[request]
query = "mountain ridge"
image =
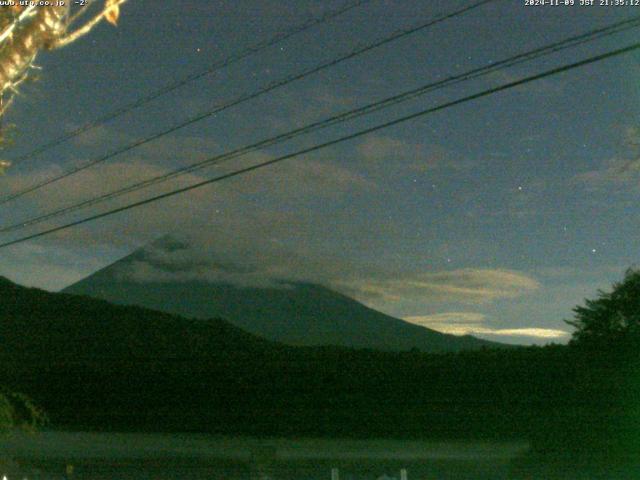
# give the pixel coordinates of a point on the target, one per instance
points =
(93, 365)
(299, 314)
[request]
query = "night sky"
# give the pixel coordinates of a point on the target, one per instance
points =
(488, 218)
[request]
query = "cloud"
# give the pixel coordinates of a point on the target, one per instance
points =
(308, 177)
(296, 184)
(472, 323)
(630, 137)
(195, 259)
(471, 286)
(615, 172)
(320, 103)
(381, 148)
(144, 272)
(388, 153)
(223, 257)
(529, 332)
(448, 318)
(282, 225)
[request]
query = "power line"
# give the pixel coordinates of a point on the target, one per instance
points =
(251, 50)
(360, 133)
(349, 115)
(250, 96)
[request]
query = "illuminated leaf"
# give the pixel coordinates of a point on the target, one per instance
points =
(112, 11)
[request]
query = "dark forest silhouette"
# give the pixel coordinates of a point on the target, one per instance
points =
(94, 365)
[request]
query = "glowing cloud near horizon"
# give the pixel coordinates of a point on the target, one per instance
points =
(472, 323)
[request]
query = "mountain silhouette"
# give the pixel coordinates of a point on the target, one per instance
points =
(41, 325)
(91, 364)
(302, 314)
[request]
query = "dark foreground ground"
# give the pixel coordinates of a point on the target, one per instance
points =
(140, 456)
(66, 455)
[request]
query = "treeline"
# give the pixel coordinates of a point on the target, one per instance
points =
(93, 365)
(553, 395)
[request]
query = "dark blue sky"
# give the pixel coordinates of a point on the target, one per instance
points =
(489, 217)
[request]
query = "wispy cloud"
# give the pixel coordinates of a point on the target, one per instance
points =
(448, 318)
(390, 154)
(620, 172)
(299, 181)
(472, 323)
(615, 172)
(470, 286)
(226, 257)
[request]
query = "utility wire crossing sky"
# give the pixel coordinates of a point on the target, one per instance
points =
(523, 57)
(495, 217)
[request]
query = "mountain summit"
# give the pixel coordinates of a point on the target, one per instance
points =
(293, 313)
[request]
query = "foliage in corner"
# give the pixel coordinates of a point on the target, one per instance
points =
(611, 319)
(19, 411)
